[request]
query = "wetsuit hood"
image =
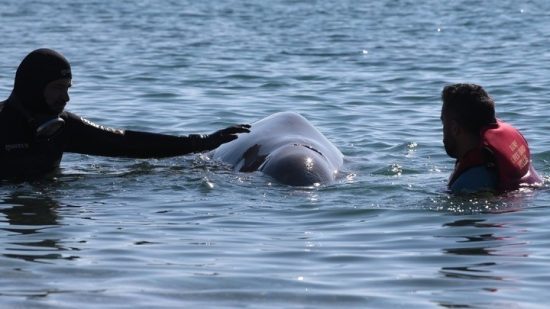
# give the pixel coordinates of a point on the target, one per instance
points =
(37, 69)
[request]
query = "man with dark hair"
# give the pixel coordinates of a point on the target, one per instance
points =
(35, 130)
(490, 154)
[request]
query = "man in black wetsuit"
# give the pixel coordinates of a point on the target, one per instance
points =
(35, 130)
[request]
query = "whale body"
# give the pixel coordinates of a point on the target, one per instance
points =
(287, 147)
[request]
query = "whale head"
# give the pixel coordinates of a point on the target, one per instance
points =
(298, 165)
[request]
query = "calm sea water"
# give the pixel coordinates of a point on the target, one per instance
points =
(189, 232)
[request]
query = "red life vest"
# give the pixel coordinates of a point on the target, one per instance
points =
(506, 149)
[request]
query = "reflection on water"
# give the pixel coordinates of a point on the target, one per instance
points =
(474, 250)
(28, 214)
(475, 271)
(27, 217)
(479, 254)
(483, 246)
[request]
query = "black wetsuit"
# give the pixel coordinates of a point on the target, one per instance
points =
(23, 155)
(30, 147)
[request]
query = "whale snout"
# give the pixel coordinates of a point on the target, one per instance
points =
(298, 165)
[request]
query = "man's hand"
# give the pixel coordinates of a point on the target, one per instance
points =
(223, 136)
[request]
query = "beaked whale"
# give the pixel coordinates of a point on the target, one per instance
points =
(287, 147)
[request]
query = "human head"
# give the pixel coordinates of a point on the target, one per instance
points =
(37, 70)
(466, 109)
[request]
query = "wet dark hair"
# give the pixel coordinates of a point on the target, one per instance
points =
(469, 105)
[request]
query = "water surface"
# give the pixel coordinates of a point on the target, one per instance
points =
(188, 231)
